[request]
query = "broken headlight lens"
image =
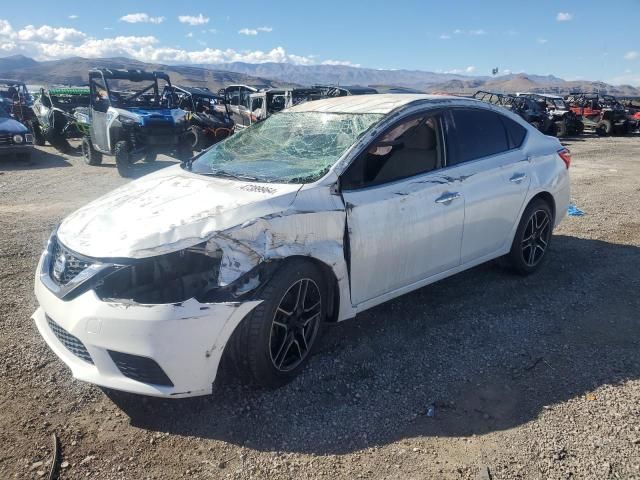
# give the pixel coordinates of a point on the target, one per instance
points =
(170, 278)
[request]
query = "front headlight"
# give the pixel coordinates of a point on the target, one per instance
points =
(18, 138)
(170, 278)
(128, 120)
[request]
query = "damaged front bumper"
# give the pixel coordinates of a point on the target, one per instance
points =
(162, 350)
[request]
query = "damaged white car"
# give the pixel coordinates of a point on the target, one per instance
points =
(317, 213)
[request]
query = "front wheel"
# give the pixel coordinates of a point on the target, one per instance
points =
(123, 158)
(90, 155)
(272, 344)
(532, 238)
(38, 136)
(604, 128)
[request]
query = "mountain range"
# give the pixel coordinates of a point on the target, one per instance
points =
(73, 71)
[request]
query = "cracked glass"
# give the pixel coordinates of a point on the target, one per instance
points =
(289, 147)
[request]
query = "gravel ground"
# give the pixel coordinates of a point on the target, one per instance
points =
(529, 378)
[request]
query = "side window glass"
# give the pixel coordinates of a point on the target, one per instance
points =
(479, 133)
(244, 97)
(99, 95)
(410, 148)
(233, 96)
(515, 132)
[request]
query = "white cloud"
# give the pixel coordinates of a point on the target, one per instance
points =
(632, 55)
(458, 71)
(542, 41)
(51, 43)
(458, 31)
(470, 69)
(189, 35)
(344, 63)
(444, 36)
(477, 32)
(193, 21)
(254, 31)
(141, 18)
(564, 17)
(73, 17)
(627, 79)
(46, 33)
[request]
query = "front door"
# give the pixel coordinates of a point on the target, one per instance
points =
(404, 218)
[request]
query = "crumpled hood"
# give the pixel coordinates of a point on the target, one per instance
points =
(167, 211)
(11, 126)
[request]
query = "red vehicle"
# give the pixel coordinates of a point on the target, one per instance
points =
(602, 113)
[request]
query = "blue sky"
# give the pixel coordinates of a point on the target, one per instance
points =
(568, 38)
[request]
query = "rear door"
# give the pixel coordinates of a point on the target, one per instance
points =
(488, 152)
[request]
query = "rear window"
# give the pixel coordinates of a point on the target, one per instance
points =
(479, 133)
(515, 132)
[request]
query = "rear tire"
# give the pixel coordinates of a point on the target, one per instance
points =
(561, 129)
(38, 136)
(197, 138)
(532, 238)
(184, 151)
(90, 155)
(272, 344)
(150, 157)
(123, 158)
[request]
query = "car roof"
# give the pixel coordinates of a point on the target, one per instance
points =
(376, 103)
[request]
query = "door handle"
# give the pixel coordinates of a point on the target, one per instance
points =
(518, 177)
(448, 197)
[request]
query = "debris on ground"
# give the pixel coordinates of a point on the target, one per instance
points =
(574, 211)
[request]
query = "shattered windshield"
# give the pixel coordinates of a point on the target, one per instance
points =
(289, 147)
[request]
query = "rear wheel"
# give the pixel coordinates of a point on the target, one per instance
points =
(58, 142)
(184, 151)
(532, 238)
(123, 158)
(197, 137)
(150, 157)
(90, 155)
(561, 129)
(272, 344)
(38, 136)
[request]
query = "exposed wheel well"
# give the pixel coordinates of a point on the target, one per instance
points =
(332, 284)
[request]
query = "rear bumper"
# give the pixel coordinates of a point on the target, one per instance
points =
(184, 340)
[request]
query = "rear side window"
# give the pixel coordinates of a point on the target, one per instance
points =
(479, 133)
(515, 132)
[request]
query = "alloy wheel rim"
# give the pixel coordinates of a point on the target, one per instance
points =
(536, 237)
(295, 325)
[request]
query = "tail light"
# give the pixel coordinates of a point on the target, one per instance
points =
(565, 155)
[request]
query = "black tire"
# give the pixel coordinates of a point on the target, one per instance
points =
(532, 239)
(604, 128)
(57, 141)
(184, 151)
(197, 138)
(579, 128)
(257, 345)
(90, 155)
(38, 136)
(150, 157)
(123, 158)
(561, 129)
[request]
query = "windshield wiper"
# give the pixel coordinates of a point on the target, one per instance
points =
(224, 173)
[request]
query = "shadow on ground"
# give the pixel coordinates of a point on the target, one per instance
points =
(39, 159)
(488, 348)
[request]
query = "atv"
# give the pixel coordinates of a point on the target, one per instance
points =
(130, 119)
(19, 101)
(530, 110)
(632, 109)
(210, 118)
(565, 121)
(601, 113)
(60, 114)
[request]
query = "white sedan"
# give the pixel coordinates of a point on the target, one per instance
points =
(312, 216)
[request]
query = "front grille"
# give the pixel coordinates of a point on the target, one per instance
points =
(71, 343)
(6, 139)
(72, 264)
(138, 368)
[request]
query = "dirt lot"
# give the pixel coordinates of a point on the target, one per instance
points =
(532, 378)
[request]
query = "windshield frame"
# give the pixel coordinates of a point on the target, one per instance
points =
(310, 178)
